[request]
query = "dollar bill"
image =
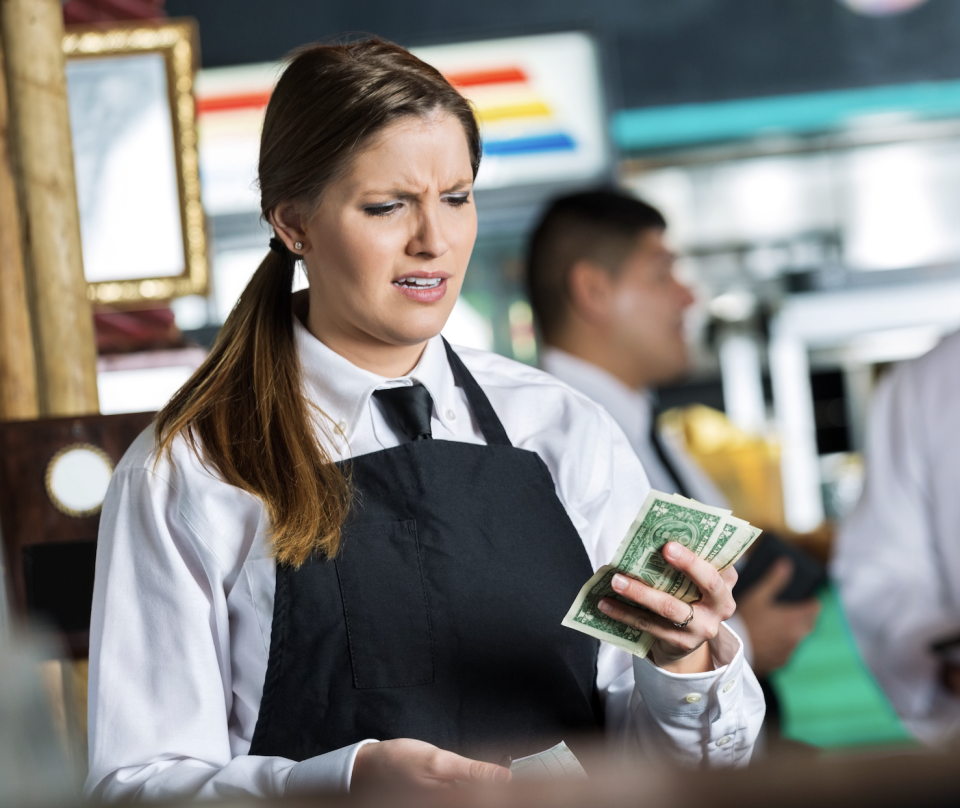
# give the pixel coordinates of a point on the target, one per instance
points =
(713, 534)
(556, 762)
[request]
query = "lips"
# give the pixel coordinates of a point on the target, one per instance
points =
(419, 283)
(422, 287)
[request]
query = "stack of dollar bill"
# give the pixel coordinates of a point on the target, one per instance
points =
(712, 533)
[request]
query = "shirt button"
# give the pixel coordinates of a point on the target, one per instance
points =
(728, 686)
(451, 415)
(724, 740)
(342, 427)
(692, 698)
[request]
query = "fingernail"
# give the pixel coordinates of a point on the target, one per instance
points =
(604, 607)
(671, 550)
(501, 774)
(619, 582)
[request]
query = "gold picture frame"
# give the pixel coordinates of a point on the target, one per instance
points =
(125, 265)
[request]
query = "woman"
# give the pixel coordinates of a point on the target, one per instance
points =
(342, 531)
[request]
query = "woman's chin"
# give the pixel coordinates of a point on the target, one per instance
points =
(419, 327)
(409, 337)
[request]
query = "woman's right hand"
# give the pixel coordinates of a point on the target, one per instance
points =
(416, 764)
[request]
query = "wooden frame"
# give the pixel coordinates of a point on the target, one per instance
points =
(176, 42)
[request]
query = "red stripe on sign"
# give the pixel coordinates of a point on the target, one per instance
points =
(502, 75)
(224, 103)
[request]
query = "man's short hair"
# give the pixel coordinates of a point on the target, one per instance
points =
(600, 226)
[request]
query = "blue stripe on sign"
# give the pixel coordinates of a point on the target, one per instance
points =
(557, 141)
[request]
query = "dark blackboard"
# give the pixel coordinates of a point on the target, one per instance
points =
(655, 51)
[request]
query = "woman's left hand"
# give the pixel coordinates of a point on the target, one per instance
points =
(680, 650)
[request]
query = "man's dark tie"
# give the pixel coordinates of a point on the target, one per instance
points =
(668, 465)
(407, 410)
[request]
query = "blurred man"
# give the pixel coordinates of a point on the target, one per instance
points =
(611, 312)
(897, 558)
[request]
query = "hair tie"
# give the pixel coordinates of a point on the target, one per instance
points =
(278, 246)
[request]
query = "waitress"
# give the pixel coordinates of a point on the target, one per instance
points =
(342, 555)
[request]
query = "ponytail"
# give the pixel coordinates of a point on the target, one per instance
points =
(244, 413)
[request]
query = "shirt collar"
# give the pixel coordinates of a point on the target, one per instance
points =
(631, 409)
(342, 390)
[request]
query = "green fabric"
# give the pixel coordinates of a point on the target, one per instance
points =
(827, 696)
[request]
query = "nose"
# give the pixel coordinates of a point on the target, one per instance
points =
(684, 294)
(428, 239)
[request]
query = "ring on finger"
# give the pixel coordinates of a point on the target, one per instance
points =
(686, 622)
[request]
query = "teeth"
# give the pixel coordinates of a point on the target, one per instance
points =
(427, 283)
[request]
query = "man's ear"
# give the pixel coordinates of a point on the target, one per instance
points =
(287, 221)
(590, 289)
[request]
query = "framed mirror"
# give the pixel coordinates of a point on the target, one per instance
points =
(132, 120)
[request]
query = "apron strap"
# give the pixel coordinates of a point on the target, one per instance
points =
(487, 420)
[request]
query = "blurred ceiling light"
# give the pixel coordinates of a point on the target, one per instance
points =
(734, 306)
(882, 8)
(895, 218)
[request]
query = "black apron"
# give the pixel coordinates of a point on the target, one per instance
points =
(439, 618)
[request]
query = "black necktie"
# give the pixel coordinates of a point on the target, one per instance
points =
(665, 460)
(407, 410)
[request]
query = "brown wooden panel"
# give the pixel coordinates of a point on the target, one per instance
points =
(27, 516)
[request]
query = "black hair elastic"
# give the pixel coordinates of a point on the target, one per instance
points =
(278, 246)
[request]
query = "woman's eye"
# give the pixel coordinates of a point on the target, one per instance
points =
(381, 210)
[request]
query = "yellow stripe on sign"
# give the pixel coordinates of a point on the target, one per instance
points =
(534, 109)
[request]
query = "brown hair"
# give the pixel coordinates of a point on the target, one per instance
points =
(244, 411)
(601, 225)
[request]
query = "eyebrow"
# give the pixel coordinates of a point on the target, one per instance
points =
(402, 194)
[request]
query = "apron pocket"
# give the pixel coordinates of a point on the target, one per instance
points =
(385, 605)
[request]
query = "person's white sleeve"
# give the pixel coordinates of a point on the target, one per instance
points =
(689, 719)
(160, 692)
(739, 628)
(886, 562)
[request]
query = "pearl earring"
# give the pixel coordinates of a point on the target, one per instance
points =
(298, 245)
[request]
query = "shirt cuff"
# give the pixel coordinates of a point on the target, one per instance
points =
(332, 771)
(691, 694)
(738, 627)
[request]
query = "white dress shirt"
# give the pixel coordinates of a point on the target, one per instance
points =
(633, 411)
(183, 601)
(897, 557)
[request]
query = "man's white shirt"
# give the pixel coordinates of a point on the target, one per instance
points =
(897, 557)
(183, 603)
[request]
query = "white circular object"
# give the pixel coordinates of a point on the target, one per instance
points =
(724, 740)
(77, 479)
(728, 686)
(882, 8)
(693, 698)
(451, 415)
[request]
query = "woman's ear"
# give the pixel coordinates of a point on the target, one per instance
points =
(287, 221)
